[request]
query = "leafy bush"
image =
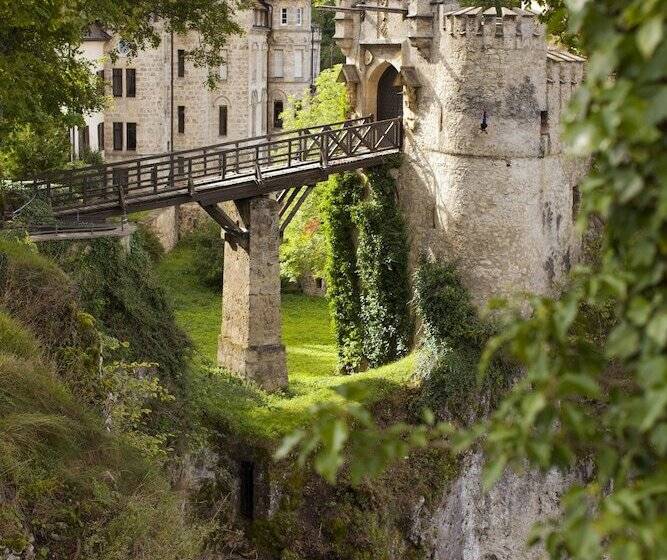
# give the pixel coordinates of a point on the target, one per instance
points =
(121, 291)
(208, 250)
(454, 340)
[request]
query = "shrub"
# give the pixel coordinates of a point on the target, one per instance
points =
(454, 339)
(208, 249)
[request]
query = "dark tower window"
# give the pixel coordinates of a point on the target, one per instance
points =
(131, 136)
(131, 82)
(544, 122)
(118, 136)
(278, 108)
(100, 136)
(222, 120)
(247, 490)
(117, 82)
(389, 96)
(181, 63)
(181, 119)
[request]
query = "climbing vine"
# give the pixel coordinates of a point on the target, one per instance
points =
(343, 194)
(367, 269)
(382, 263)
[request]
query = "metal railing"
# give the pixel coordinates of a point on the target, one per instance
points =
(216, 166)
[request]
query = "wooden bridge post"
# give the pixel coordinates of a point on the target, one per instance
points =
(250, 338)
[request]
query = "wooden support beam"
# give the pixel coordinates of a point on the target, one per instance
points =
(233, 233)
(288, 202)
(295, 208)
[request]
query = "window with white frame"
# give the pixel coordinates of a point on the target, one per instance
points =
(299, 16)
(284, 15)
(298, 63)
(278, 64)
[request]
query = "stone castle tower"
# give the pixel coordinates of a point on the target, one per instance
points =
(484, 180)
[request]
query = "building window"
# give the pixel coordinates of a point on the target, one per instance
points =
(118, 136)
(181, 119)
(84, 140)
(283, 16)
(100, 136)
(278, 64)
(181, 63)
(298, 63)
(131, 82)
(299, 16)
(131, 136)
(277, 111)
(223, 67)
(260, 18)
(222, 120)
(117, 82)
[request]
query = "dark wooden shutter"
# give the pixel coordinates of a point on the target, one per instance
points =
(100, 136)
(181, 63)
(117, 82)
(181, 119)
(131, 136)
(222, 124)
(118, 136)
(131, 79)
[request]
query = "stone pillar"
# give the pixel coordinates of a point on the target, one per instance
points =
(250, 339)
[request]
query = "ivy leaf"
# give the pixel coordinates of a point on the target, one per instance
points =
(657, 329)
(657, 400)
(649, 36)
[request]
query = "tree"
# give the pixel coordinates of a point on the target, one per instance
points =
(42, 73)
(584, 396)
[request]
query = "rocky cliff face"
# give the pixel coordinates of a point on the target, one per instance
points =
(470, 524)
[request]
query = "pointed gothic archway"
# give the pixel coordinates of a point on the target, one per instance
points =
(389, 95)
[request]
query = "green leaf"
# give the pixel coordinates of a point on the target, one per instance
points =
(657, 329)
(623, 341)
(650, 35)
(578, 384)
(656, 402)
(493, 470)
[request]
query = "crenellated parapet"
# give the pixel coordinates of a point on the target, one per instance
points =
(480, 28)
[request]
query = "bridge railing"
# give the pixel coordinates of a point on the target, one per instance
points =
(118, 184)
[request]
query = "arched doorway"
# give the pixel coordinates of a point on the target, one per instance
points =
(389, 95)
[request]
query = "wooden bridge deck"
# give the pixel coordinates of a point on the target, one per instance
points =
(229, 171)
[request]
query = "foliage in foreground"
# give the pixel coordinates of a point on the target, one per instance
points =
(602, 400)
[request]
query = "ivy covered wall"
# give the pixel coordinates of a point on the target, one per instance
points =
(367, 269)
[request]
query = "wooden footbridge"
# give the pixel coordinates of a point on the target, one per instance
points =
(288, 164)
(285, 166)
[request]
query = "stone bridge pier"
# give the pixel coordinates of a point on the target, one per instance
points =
(250, 339)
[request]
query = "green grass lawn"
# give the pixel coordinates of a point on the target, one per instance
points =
(311, 358)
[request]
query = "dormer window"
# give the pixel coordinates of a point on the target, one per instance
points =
(284, 14)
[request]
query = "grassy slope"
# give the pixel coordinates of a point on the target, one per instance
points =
(311, 358)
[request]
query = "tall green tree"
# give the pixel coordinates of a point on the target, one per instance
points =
(42, 72)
